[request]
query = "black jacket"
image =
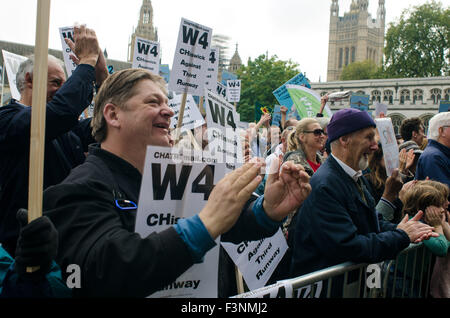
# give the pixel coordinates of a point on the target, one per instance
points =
(66, 141)
(99, 236)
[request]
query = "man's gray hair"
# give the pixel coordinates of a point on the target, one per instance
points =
(27, 67)
(438, 121)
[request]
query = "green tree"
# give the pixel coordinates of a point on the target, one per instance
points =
(419, 44)
(360, 71)
(259, 78)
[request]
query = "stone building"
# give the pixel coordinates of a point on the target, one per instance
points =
(405, 97)
(354, 37)
(144, 29)
(235, 62)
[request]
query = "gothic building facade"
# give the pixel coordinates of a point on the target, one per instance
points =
(355, 36)
(144, 29)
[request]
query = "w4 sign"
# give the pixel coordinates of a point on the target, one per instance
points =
(233, 91)
(191, 58)
(146, 55)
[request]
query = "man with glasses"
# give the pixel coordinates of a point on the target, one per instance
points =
(434, 162)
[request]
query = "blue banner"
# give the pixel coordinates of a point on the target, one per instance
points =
(444, 106)
(282, 94)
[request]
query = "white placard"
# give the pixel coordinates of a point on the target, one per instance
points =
(388, 143)
(190, 60)
(380, 108)
(224, 141)
(221, 90)
(67, 32)
(146, 55)
(192, 117)
(213, 69)
(233, 91)
(257, 260)
(12, 62)
(176, 184)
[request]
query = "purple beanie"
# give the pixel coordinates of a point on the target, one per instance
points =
(347, 121)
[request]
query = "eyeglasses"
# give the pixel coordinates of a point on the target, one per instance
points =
(316, 132)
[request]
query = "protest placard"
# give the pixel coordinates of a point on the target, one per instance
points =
(176, 185)
(281, 289)
(221, 90)
(281, 93)
(444, 106)
(223, 137)
(257, 260)
(276, 116)
(192, 117)
(306, 101)
(233, 91)
(360, 101)
(388, 143)
(12, 62)
(212, 70)
(190, 61)
(67, 32)
(380, 109)
(147, 55)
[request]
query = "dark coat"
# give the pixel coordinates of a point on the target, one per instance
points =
(335, 225)
(66, 140)
(98, 236)
(434, 163)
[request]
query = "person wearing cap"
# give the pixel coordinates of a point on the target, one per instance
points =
(434, 162)
(338, 222)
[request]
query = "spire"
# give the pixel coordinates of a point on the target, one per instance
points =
(235, 62)
(381, 13)
(334, 8)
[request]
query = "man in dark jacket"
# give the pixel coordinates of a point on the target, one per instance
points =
(434, 162)
(93, 212)
(338, 221)
(66, 138)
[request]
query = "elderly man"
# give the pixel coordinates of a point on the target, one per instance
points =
(95, 221)
(434, 162)
(66, 137)
(338, 221)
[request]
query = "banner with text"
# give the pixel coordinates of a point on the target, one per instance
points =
(67, 32)
(257, 260)
(388, 143)
(234, 91)
(213, 69)
(192, 117)
(177, 185)
(146, 55)
(12, 62)
(190, 61)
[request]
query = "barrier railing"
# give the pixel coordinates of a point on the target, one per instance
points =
(407, 276)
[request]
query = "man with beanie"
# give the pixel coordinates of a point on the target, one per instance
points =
(338, 222)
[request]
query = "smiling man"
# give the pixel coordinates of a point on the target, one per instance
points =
(338, 221)
(94, 208)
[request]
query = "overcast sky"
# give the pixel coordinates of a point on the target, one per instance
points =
(291, 29)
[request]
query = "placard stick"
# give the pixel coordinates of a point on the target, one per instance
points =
(200, 106)
(39, 97)
(180, 117)
(3, 82)
(239, 280)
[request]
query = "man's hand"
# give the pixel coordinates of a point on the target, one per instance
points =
(85, 47)
(283, 110)
(417, 231)
(286, 190)
(228, 197)
(393, 186)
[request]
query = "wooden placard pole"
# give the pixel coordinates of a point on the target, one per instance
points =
(180, 118)
(39, 99)
(239, 280)
(200, 106)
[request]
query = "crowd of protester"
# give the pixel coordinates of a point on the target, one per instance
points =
(322, 180)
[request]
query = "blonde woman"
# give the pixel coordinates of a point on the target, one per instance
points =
(305, 144)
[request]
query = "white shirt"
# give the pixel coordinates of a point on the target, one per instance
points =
(352, 173)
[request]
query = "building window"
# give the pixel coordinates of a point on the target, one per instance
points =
(417, 95)
(146, 18)
(404, 96)
(341, 50)
(376, 96)
(447, 94)
(346, 56)
(388, 96)
(397, 120)
(426, 121)
(353, 54)
(436, 95)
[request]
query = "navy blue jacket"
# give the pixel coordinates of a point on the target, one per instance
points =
(66, 141)
(335, 225)
(434, 163)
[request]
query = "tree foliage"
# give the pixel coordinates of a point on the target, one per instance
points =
(259, 78)
(360, 71)
(419, 44)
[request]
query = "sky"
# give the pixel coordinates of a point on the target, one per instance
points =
(294, 30)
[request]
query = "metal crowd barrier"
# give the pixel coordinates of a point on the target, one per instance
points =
(408, 276)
